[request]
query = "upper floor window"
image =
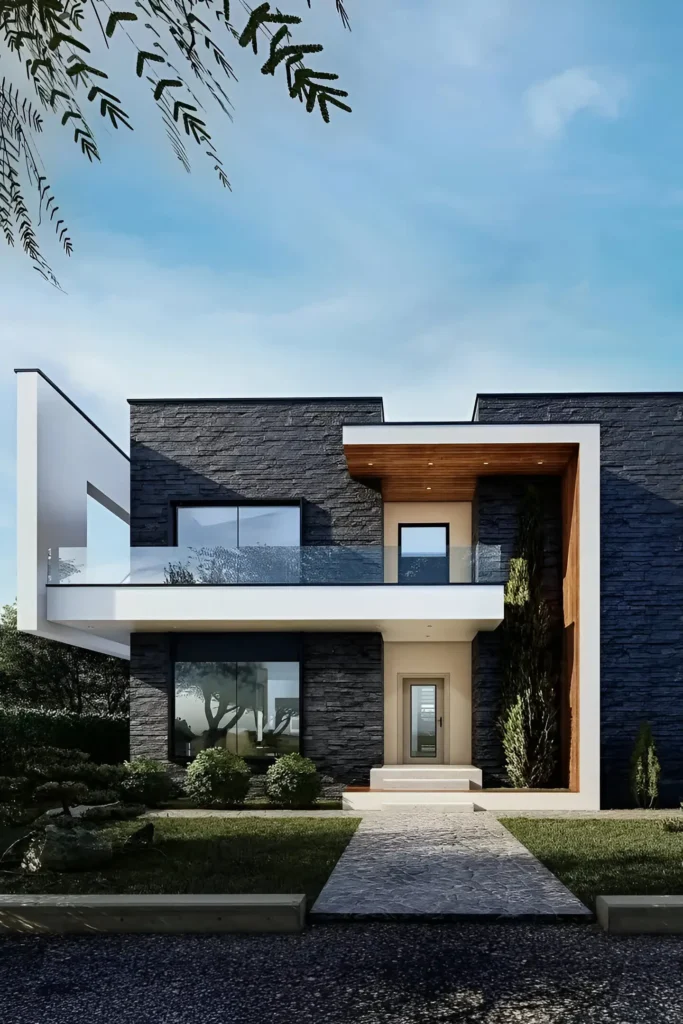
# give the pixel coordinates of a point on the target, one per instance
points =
(238, 526)
(423, 553)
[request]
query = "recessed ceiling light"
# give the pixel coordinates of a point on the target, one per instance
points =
(540, 462)
(371, 463)
(430, 463)
(429, 488)
(486, 463)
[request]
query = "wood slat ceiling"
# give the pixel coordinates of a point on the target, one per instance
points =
(420, 472)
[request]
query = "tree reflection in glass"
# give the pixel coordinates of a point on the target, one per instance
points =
(251, 708)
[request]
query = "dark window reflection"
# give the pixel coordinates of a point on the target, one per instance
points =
(249, 707)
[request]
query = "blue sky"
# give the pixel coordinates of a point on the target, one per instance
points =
(502, 211)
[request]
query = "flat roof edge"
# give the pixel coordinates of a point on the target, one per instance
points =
(35, 369)
(476, 423)
(260, 401)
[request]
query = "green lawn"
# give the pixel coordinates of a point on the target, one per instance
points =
(602, 857)
(223, 855)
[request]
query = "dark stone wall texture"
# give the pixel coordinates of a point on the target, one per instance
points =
(150, 695)
(342, 689)
(186, 451)
(641, 490)
(343, 703)
(495, 524)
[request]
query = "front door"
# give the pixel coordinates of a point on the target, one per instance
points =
(423, 721)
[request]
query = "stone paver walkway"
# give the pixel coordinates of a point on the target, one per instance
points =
(439, 864)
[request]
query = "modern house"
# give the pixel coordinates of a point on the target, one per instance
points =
(303, 575)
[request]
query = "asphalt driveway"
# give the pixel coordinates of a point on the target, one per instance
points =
(361, 973)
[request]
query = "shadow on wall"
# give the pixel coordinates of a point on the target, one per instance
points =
(641, 640)
(495, 521)
(157, 482)
(642, 633)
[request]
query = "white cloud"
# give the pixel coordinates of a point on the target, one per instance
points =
(551, 104)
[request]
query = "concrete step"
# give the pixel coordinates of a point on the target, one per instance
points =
(410, 784)
(641, 915)
(438, 776)
(171, 913)
(383, 800)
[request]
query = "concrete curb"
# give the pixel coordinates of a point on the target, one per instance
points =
(171, 914)
(640, 915)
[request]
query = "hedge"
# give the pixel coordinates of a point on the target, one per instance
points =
(104, 737)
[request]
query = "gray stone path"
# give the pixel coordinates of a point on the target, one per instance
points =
(434, 863)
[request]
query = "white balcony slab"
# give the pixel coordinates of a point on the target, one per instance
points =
(439, 613)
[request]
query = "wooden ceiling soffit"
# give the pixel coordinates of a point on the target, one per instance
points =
(449, 472)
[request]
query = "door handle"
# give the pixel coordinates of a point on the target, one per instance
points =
(440, 722)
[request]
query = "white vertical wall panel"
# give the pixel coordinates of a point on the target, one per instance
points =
(60, 456)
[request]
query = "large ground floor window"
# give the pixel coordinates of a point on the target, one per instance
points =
(251, 707)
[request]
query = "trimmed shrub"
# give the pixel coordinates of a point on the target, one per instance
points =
(645, 768)
(217, 777)
(146, 781)
(293, 781)
(69, 777)
(103, 737)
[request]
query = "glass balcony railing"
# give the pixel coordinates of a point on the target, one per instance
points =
(276, 566)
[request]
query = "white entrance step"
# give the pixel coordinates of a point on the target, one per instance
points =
(443, 783)
(384, 800)
(440, 777)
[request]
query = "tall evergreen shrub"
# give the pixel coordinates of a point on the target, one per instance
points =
(645, 768)
(528, 719)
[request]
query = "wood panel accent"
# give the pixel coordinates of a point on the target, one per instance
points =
(570, 604)
(396, 488)
(448, 472)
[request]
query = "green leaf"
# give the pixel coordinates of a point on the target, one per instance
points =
(97, 91)
(79, 68)
(60, 38)
(178, 105)
(166, 83)
(115, 17)
(55, 93)
(144, 55)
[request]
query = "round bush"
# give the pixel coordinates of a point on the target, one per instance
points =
(146, 781)
(217, 777)
(293, 781)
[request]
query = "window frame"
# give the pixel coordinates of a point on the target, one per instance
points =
(446, 556)
(293, 644)
(176, 503)
(445, 526)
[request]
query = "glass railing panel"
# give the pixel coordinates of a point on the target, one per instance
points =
(312, 565)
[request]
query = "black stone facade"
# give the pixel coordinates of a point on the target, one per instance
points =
(151, 683)
(495, 522)
(249, 450)
(641, 488)
(342, 700)
(263, 450)
(343, 703)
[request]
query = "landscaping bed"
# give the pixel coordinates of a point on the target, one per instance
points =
(208, 855)
(605, 857)
(255, 803)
